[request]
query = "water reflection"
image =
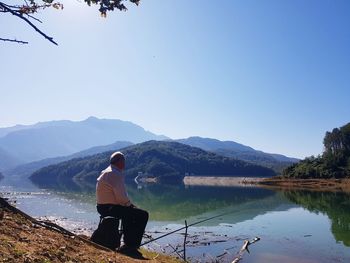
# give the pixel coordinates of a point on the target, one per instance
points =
(65, 184)
(174, 203)
(336, 205)
(168, 202)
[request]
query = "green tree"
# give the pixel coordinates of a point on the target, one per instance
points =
(334, 162)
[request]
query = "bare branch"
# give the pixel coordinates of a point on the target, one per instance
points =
(36, 19)
(13, 40)
(19, 15)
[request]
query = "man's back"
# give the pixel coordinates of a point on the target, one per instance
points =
(110, 187)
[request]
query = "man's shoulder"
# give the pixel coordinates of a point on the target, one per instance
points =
(110, 172)
(107, 170)
(105, 173)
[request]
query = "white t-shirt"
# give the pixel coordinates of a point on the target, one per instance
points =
(110, 187)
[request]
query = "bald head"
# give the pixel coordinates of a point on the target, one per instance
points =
(117, 159)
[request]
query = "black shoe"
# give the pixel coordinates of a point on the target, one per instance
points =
(125, 249)
(131, 252)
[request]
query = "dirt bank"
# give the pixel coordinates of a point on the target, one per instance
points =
(24, 239)
(307, 184)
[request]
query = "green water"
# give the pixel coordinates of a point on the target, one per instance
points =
(294, 226)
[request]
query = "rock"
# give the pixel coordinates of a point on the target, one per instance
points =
(27, 259)
(47, 254)
(23, 239)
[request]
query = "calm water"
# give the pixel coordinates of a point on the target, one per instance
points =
(294, 226)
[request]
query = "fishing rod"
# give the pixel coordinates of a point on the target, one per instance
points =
(182, 228)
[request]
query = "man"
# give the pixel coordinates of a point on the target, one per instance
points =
(113, 200)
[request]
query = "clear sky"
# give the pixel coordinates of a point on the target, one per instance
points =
(271, 74)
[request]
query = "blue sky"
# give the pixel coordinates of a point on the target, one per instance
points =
(271, 74)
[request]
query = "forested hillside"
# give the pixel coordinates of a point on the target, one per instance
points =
(333, 163)
(241, 152)
(27, 169)
(167, 161)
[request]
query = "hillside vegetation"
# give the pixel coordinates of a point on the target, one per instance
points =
(167, 161)
(241, 152)
(29, 168)
(333, 163)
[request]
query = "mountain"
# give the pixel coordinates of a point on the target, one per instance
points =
(8, 161)
(29, 168)
(1, 176)
(167, 161)
(240, 152)
(19, 127)
(60, 138)
(99, 149)
(209, 144)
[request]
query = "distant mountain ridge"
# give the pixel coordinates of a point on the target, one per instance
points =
(29, 168)
(60, 138)
(240, 152)
(8, 161)
(165, 160)
(210, 144)
(19, 127)
(34, 146)
(224, 148)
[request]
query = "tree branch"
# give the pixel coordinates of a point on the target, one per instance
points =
(29, 8)
(36, 19)
(20, 15)
(13, 40)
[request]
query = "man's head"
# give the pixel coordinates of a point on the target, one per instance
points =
(117, 159)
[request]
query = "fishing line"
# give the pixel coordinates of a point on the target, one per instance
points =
(182, 228)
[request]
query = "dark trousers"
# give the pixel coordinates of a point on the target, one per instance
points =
(134, 221)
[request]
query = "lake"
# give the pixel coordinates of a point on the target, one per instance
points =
(293, 226)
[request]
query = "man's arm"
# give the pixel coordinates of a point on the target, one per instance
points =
(119, 191)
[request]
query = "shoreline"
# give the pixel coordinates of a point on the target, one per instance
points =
(221, 181)
(334, 185)
(331, 185)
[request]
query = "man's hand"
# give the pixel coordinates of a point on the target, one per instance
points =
(132, 205)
